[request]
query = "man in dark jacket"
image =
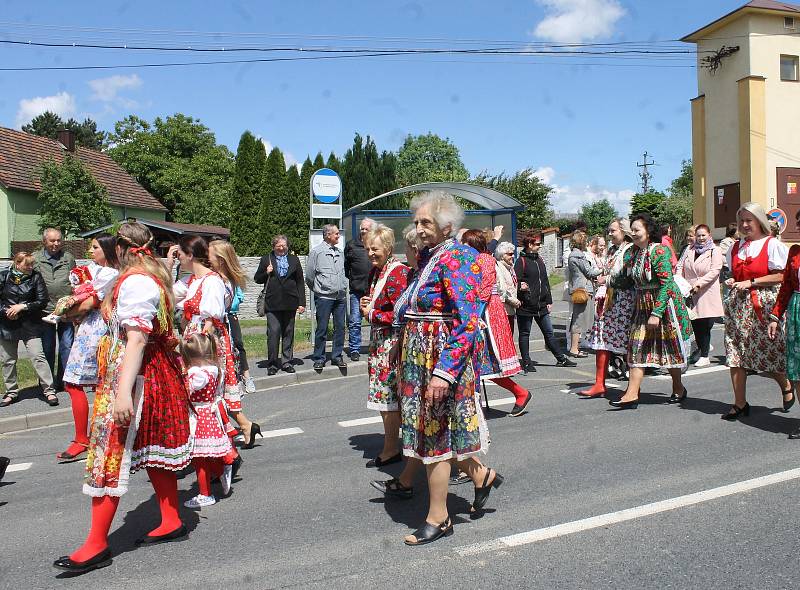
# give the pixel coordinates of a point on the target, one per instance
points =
(284, 296)
(54, 264)
(537, 301)
(356, 269)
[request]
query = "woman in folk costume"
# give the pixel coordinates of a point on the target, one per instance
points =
(611, 329)
(788, 304)
(205, 299)
(81, 369)
(141, 406)
(757, 261)
(660, 328)
(500, 361)
(387, 281)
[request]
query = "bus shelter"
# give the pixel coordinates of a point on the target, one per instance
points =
(494, 208)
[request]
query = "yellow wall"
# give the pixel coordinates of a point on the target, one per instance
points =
(752, 139)
(699, 214)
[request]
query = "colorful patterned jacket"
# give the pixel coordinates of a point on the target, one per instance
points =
(790, 283)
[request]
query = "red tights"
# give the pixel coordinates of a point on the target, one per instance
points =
(165, 485)
(520, 393)
(80, 414)
(601, 370)
(207, 468)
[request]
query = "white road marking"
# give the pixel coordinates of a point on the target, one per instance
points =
(603, 520)
(281, 432)
(361, 421)
(18, 467)
(693, 372)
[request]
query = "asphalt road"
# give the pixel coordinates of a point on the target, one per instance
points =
(303, 514)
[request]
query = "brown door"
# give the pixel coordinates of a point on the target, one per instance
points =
(727, 201)
(789, 201)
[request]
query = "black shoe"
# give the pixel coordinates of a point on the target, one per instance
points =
(393, 487)
(255, 429)
(272, 371)
(736, 411)
(354, 356)
(378, 462)
(565, 362)
(674, 399)
(482, 493)
(528, 366)
(790, 403)
(178, 534)
(518, 409)
(102, 559)
(795, 435)
(431, 532)
(287, 368)
(625, 405)
(319, 365)
(457, 480)
(339, 362)
(236, 465)
(4, 463)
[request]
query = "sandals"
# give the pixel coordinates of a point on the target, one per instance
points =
(51, 399)
(482, 493)
(393, 487)
(65, 456)
(736, 411)
(430, 533)
(8, 399)
(577, 355)
(790, 403)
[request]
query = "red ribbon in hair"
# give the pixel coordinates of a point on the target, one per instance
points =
(136, 250)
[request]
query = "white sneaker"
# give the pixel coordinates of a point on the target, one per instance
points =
(249, 385)
(225, 480)
(200, 501)
(702, 362)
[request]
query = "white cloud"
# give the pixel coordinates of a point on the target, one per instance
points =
(575, 21)
(288, 157)
(107, 89)
(570, 198)
(62, 104)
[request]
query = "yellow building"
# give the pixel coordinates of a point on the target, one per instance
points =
(746, 117)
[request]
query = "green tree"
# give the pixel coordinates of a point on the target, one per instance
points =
(528, 189)
(275, 203)
(677, 209)
(71, 199)
(296, 215)
(597, 215)
(333, 163)
(48, 124)
(246, 233)
(429, 158)
(649, 202)
(179, 161)
(300, 245)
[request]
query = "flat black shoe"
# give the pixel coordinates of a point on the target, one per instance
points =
(624, 405)
(354, 356)
(4, 463)
(459, 479)
(565, 362)
(431, 532)
(339, 362)
(319, 365)
(102, 559)
(51, 399)
(790, 403)
(518, 409)
(378, 462)
(793, 436)
(8, 399)
(272, 371)
(288, 369)
(178, 534)
(674, 399)
(736, 411)
(393, 487)
(236, 465)
(482, 493)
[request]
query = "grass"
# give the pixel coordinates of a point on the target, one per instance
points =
(26, 376)
(556, 279)
(256, 344)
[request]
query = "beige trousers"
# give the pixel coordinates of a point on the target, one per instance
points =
(9, 350)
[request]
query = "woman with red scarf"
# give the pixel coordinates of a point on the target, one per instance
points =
(756, 261)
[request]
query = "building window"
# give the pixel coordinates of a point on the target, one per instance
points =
(788, 22)
(789, 68)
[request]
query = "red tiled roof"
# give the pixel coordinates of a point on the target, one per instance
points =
(191, 228)
(22, 153)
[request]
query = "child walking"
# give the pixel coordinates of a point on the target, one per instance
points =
(210, 442)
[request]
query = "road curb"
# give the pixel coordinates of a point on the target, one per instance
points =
(263, 384)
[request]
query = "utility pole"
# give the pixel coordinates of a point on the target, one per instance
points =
(645, 174)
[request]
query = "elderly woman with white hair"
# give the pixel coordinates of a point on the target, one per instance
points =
(441, 342)
(757, 261)
(507, 280)
(387, 280)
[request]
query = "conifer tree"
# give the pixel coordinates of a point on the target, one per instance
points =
(246, 234)
(274, 201)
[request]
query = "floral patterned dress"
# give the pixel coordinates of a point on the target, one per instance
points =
(441, 338)
(747, 344)
(657, 295)
(611, 328)
(386, 286)
(81, 368)
(159, 433)
(500, 359)
(208, 428)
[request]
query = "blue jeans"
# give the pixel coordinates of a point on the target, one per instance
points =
(354, 323)
(324, 309)
(65, 334)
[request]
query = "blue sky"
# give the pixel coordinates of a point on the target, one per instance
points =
(583, 127)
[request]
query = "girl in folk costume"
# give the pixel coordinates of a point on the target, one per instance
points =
(611, 328)
(756, 261)
(81, 370)
(500, 361)
(141, 406)
(387, 280)
(210, 442)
